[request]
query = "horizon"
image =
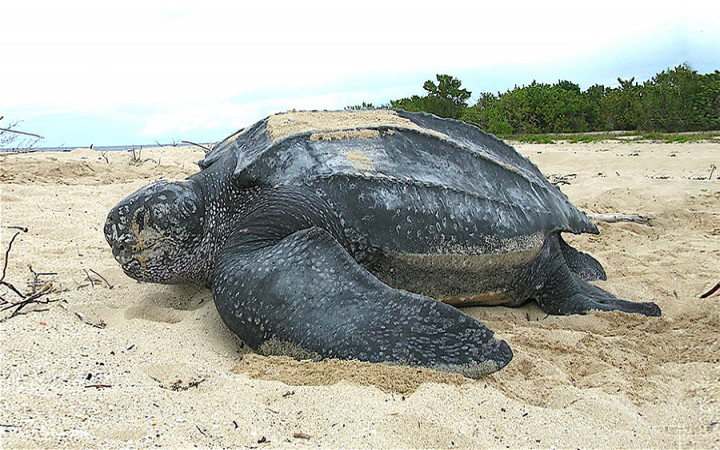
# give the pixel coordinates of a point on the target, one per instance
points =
(166, 72)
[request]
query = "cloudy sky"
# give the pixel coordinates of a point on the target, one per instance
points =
(134, 72)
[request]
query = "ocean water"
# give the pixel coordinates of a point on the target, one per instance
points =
(99, 148)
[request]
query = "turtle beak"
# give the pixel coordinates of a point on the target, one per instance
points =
(119, 237)
(121, 252)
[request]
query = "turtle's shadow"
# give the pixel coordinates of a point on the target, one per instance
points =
(176, 303)
(170, 303)
(182, 297)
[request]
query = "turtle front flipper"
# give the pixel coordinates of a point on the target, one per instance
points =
(306, 297)
(565, 292)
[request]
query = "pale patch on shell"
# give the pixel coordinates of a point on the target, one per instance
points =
(295, 122)
(360, 160)
(345, 134)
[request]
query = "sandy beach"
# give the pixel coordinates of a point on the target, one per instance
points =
(114, 363)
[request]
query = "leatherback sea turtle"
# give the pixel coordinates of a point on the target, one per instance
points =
(331, 234)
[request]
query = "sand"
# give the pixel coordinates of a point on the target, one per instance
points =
(116, 363)
(328, 125)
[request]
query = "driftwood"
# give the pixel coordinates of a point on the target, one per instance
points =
(612, 218)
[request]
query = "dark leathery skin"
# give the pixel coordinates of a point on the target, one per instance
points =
(331, 307)
(311, 242)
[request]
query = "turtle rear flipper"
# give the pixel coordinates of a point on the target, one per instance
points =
(565, 292)
(587, 267)
(306, 297)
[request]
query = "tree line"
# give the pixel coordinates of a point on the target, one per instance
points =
(674, 100)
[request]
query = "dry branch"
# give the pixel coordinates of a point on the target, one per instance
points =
(9, 130)
(110, 286)
(34, 297)
(613, 218)
(36, 281)
(7, 252)
(207, 149)
(136, 158)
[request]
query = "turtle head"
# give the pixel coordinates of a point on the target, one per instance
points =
(155, 233)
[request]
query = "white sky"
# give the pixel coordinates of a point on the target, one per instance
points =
(181, 66)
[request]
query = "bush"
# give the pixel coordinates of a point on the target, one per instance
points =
(674, 100)
(444, 99)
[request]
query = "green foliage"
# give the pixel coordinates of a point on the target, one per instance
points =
(537, 108)
(444, 99)
(363, 106)
(626, 136)
(674, 100)
(412, 104)
(620, 107)
(681, 100)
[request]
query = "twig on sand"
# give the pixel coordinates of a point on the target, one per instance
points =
(36, 281)
(14, 227)
(561, 179)
(34, 297)
(179, 385)
(110, 286)
(101, 324)
(136, 158)
(712, 290)
(7, 258)
(612, 218)
(7, 253)
(93, 281)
